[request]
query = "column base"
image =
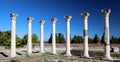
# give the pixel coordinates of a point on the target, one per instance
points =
(86, 56)
(107, 58)
(68, 55)
(54, 53)
(12, 57)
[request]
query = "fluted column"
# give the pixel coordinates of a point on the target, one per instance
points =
(13, 35)
(42, 36)
(85, 46)
(29, 44)
(53, 35)
(106, 13)
(68, 18)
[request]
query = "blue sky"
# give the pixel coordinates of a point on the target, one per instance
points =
(47, 9)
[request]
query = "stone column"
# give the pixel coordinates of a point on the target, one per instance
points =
(53, 35)
(85, 46)
(42, 36)
(106, 13)
(13, 35)
(29, 44)
(68, 18)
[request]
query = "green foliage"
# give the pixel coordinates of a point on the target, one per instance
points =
(96, 39)
(119, 39)
(77, 39)
(59, 38)
(5, 38)
(102, 39)
(34, 38)
(90, 40)
(114, 40)
(18, 42)
(50, 39)
(25, 39)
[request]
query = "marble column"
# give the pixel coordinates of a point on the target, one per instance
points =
(106, 13)
(85, 45)
(42, 36)
(29, 43)
(53, 35)
(13, 35)
(68, 18)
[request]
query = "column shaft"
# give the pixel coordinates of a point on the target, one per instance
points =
(85, 38)
(68, 38)
(106, 13)
(13, 35)
(13, 39)
(53, 39)
(29, 45)
(29, 39)
(42, 38)
(68, 50)
(106, 31)
(85, 31)
(54, 35)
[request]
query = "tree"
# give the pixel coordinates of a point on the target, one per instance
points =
(119, 40)
(25, 39)
(34, 38)
(60, 38)
(114, 40)
(77, 39)
(102, 39)
(50, 39)
(90, 40)
(96, 39)
(5, 38)
(18, 42)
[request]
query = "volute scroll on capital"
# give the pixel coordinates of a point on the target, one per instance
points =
(106, 12)
(41, 21)
(67, 18)
(53, 20)
(85, 14)
(29, 19)
(13, 16)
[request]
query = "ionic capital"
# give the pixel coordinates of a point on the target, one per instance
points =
(13, 16)
(29, 19)
(41, 21)
(106, 12)
(67, 18)
(85, 14)
(53, 20)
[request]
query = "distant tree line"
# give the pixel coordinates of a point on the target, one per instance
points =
(79, 39)
(59, 38)
(5, 39)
